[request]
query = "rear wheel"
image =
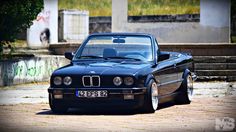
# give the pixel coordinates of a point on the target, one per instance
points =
(57, 107)
(186, 90)
(151, 100)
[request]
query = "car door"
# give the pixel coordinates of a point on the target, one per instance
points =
(181, 65)
(167, 76)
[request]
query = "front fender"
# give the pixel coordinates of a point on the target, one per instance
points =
(186, 72)
(149, 77)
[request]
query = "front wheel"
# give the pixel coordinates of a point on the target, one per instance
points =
(57, 107)
(186, 91)
(151, 100)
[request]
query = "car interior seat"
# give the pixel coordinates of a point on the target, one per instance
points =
(109, 52)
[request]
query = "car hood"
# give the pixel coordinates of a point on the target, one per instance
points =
(103, 68)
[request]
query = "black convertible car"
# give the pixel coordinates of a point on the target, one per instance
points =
(121, 70)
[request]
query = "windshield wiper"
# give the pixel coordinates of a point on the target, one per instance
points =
(121, 57)
(90, 56)
(114, 57)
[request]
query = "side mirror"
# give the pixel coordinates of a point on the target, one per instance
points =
(163, 56)
(69, 55)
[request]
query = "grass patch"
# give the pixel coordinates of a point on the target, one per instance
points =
(19, 43)
(233, 39)
(163, 7)
(135, 7)
(95, 7)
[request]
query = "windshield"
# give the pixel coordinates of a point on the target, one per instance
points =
(117, 47)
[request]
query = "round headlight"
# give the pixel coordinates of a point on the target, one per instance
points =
(117, 81)
(57, 80)
(67, 80)
(129, 81)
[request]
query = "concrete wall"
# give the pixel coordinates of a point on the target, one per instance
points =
(99, 24)
(215, 13)
(179, 32)
(119, 15)
(73, 25)
(103, 23)
(46, 19)
(27, 70)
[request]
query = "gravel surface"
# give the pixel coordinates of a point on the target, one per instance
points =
(29, 93)
(25, 108)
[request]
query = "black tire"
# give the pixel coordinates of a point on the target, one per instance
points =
(56, 107)
(149, 105)
(186, 91)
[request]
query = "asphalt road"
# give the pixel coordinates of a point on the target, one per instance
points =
(25, 108)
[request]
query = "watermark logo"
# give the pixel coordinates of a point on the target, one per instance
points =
(224, 124)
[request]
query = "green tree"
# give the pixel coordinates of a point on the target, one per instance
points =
(16, 16)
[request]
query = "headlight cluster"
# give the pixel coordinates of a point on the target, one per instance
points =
(127, 81)
(66, 80)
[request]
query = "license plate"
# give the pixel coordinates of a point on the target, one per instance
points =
(92, 94)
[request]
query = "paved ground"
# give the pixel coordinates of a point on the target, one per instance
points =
(25, 108)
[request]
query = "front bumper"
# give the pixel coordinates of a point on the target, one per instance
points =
(115, 98)
(194, 76)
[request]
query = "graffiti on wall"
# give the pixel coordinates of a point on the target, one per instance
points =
(39, 32)
(44, 17)
(32, 70)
